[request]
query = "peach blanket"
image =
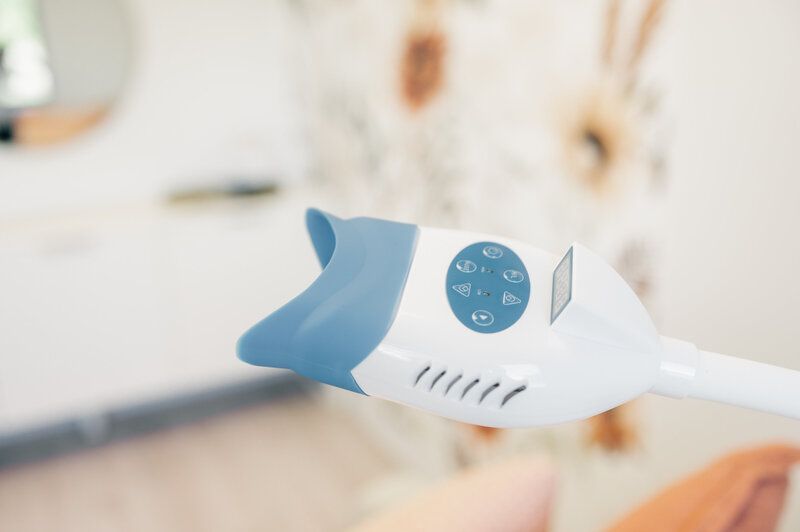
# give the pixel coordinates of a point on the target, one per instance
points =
(741, 492)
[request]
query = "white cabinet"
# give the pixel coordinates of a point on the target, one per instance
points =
(114, 308)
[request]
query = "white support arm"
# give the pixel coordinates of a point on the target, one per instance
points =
(688, 372)
(746, 383)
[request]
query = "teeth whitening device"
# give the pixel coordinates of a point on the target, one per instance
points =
(489, 331)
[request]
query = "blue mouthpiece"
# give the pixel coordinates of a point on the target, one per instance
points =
(341, 318)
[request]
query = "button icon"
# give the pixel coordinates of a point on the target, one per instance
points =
(513, 276)
(466, 266)
(463, 289)
(493, 252)
(510, 299)
(482, 318)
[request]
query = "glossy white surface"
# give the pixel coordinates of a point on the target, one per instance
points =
(565, 376)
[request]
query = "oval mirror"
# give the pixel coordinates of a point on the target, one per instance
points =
(63, 64)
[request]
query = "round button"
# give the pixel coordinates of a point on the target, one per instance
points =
(483, 318)
(493, 252)
(466, 266)
(513, 276)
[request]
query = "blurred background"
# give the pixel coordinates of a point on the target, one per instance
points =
(156, 158)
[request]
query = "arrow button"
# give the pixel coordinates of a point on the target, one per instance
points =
(482, 318)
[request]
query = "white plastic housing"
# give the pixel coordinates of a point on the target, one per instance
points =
(601, 351)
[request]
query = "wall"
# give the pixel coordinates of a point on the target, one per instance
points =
(732, 251)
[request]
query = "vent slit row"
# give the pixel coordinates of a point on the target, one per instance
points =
(422, 374)
(511, 394)
(469, 387)
(452, 382)
(439, 376)
(487, 391)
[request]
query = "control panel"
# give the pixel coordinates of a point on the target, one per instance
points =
(487, 287)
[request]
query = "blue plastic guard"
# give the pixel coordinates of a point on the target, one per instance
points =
(341, 318)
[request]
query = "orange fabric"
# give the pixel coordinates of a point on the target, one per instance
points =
(742, 492)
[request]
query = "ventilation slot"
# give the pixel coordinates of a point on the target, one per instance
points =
(487, 391)
(422, 374)
(447, 381)
(511, 394)
(452, 382)
(439, 376)
(469, 387)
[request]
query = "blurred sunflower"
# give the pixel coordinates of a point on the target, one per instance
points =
(599, 130)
